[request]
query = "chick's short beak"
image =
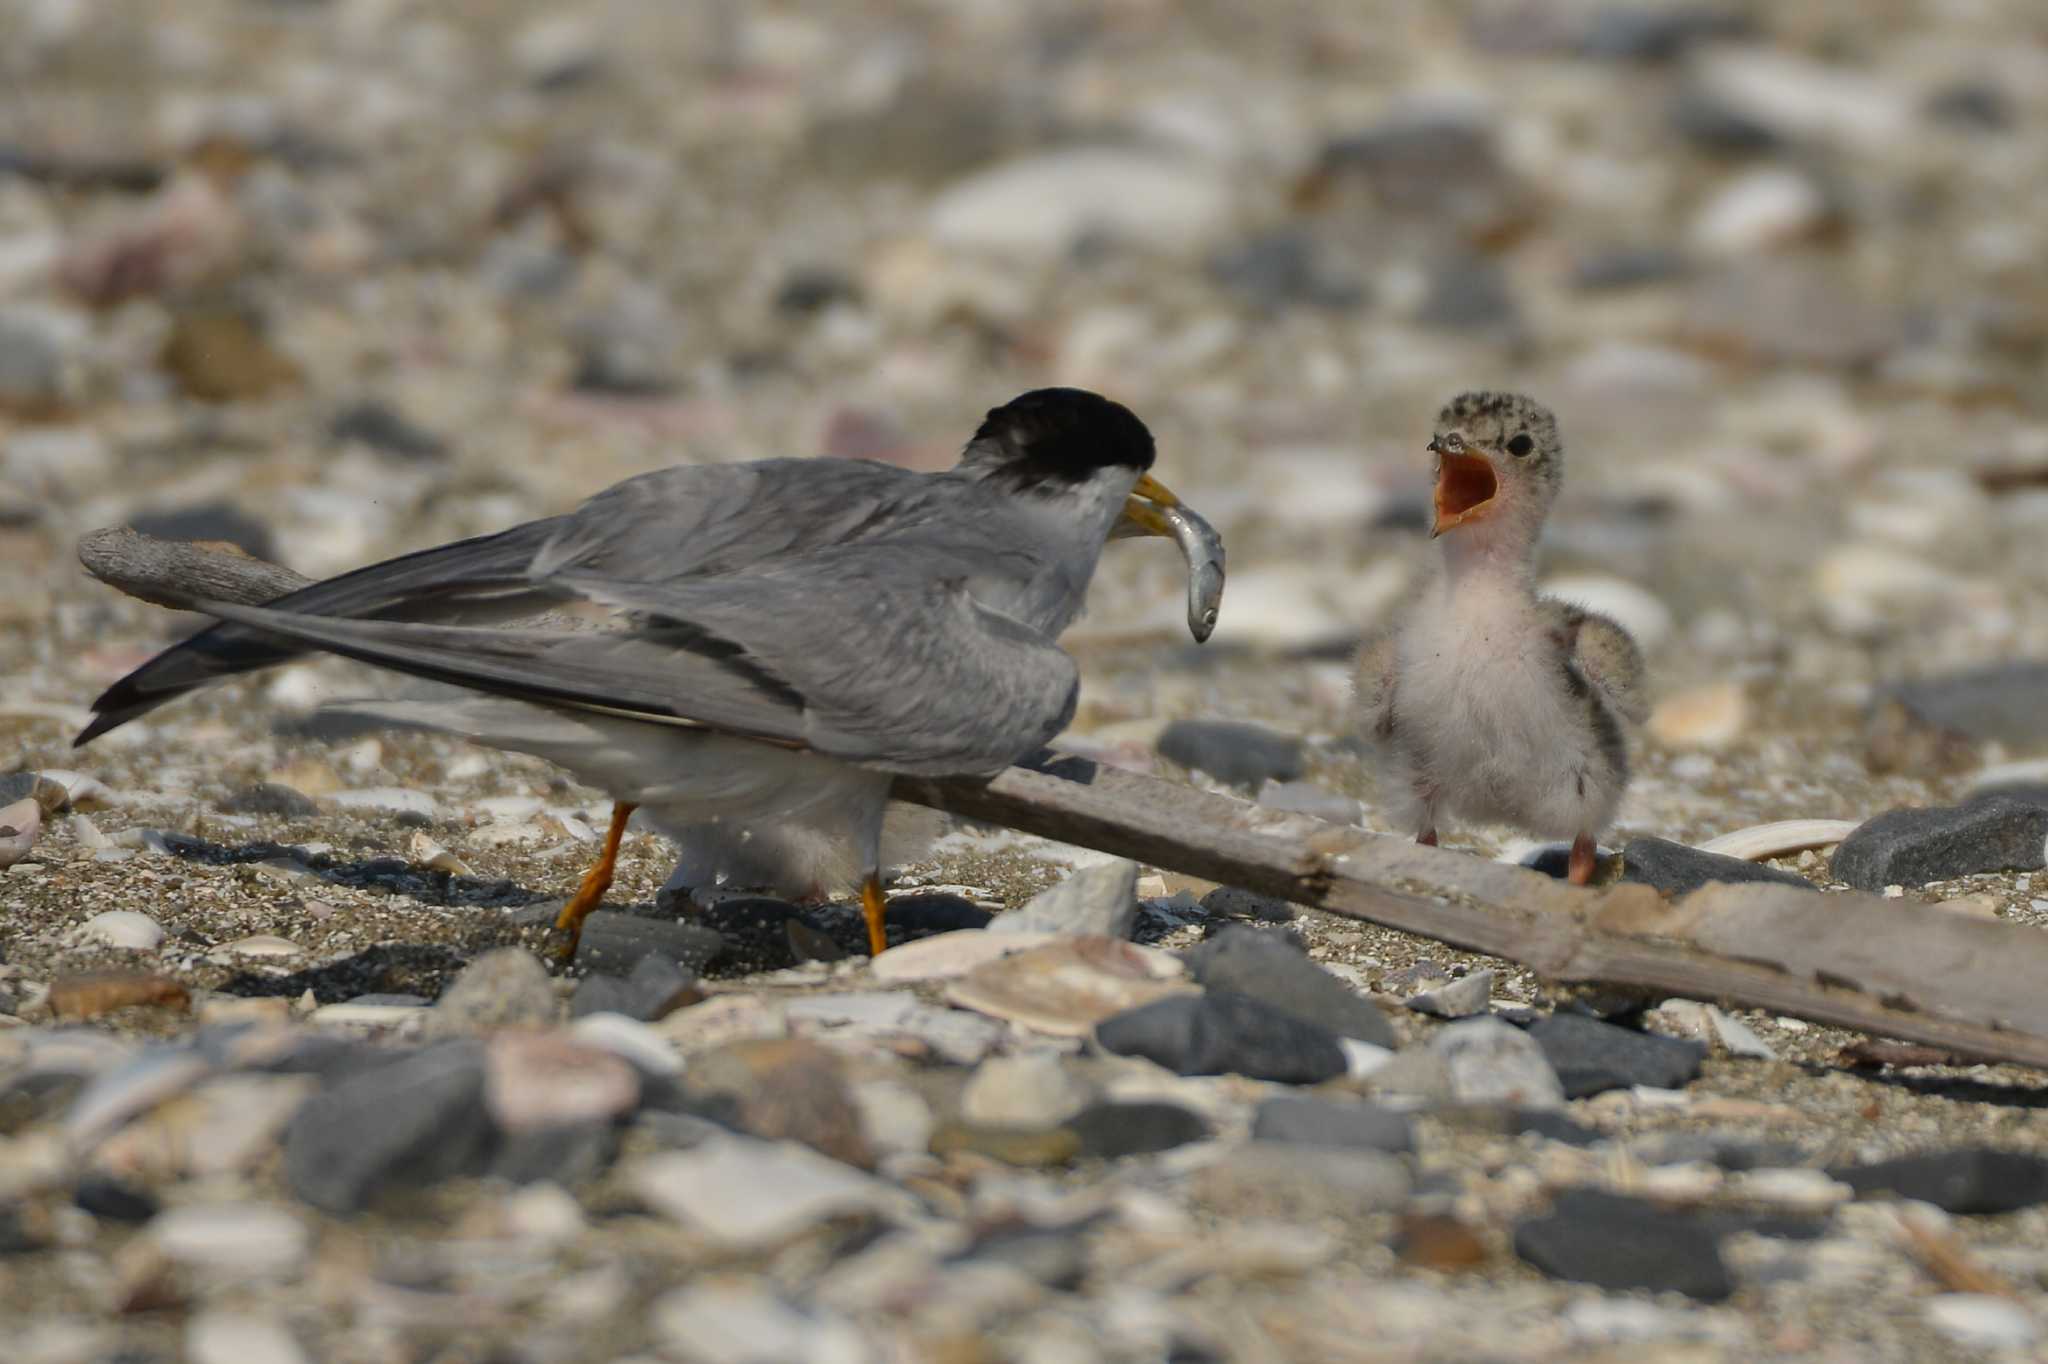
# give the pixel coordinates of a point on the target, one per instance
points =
(1143, 512)
(1465, 488)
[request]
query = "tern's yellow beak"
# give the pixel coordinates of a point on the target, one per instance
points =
(1142, 512)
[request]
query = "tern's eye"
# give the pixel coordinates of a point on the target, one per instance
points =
(1521, 445)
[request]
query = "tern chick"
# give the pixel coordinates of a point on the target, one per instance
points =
(1482, 699)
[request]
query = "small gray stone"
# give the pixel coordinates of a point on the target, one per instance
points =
(409, 1122)
(269, 798)
(1911, 847)
(1590, 1056)
(1232, 752)
(505, 987)
(613, 943)
(1620, 1243)
(1099, 900)
(656, 987)
(2002, 702)
(1491, 1062)
(1676, 869)
(1225, 1033)
(1268, 1179)
(1303, 1120)
(1462, 998)
(1271, 967)
(1228, 902)
(31, 360)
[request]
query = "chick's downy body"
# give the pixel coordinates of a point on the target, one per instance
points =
(1482, 700)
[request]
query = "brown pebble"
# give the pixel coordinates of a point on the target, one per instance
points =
(1872, 1052)
(1026, 1146)
(92, 993)
(220, 357)
(786, 1088)
(1440, 1242)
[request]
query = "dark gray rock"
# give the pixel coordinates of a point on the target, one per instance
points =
(1627, 267)
(413, 1121)
(1657, 33)
(809, 289)
(1222, 1033)
(656, 987)
(1111, 1130)
(1676, 869)
(384, 429)
(1469, 293)
(1590, 1056)
(209, 521)
(567, 1154)
(1271, 967)
(1228, 902)
(1972, 107)
(1914, 846)
(2006, 702)
(1619, 1243)
(613, 943)
(1972, 1179)
(114, 1200)
(269, 798)
(1303, 1120)
(1230, 751)
(1713, 125)
(1282, 268)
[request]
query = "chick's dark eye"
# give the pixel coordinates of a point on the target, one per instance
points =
(1521, 445)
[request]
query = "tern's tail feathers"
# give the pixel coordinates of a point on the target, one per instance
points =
(470, 579)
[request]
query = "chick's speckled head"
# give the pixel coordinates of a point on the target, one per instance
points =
(1498, 459)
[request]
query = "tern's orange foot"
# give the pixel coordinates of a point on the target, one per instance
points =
(873, 907)
(568, 929)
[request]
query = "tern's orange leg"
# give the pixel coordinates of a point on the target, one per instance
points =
(872, 907)
(1579, 870)
(596, 881)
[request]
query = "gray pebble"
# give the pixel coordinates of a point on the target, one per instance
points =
(1911, 847)
(1099, 900)
(1676, 869)
(505, 987)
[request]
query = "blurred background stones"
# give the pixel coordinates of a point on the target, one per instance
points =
(333, 279)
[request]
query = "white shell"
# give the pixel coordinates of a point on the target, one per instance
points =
(2009, 774)
(1759, 841)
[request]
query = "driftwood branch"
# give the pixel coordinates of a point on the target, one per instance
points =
(1891, 967)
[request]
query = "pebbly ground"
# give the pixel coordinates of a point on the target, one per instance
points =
(342, 279)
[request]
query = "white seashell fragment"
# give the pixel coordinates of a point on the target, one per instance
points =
(1759, 841)
(431, 855)
(19, 825)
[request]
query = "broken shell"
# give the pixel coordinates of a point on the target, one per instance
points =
(19, 825)
(1759, 841)
(431, 855)
(78, 791)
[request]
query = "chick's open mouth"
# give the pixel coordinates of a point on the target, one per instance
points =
(1465, 487)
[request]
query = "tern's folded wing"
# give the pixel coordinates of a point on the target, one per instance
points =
(915, 678)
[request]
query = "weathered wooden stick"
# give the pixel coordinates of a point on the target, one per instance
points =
(1891, 967)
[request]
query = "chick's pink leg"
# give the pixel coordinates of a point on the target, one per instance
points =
(1579, 871)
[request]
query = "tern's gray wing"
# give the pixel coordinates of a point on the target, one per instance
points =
(855, 659)
(668, 525)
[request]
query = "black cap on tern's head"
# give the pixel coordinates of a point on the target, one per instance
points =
(1060, 436)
